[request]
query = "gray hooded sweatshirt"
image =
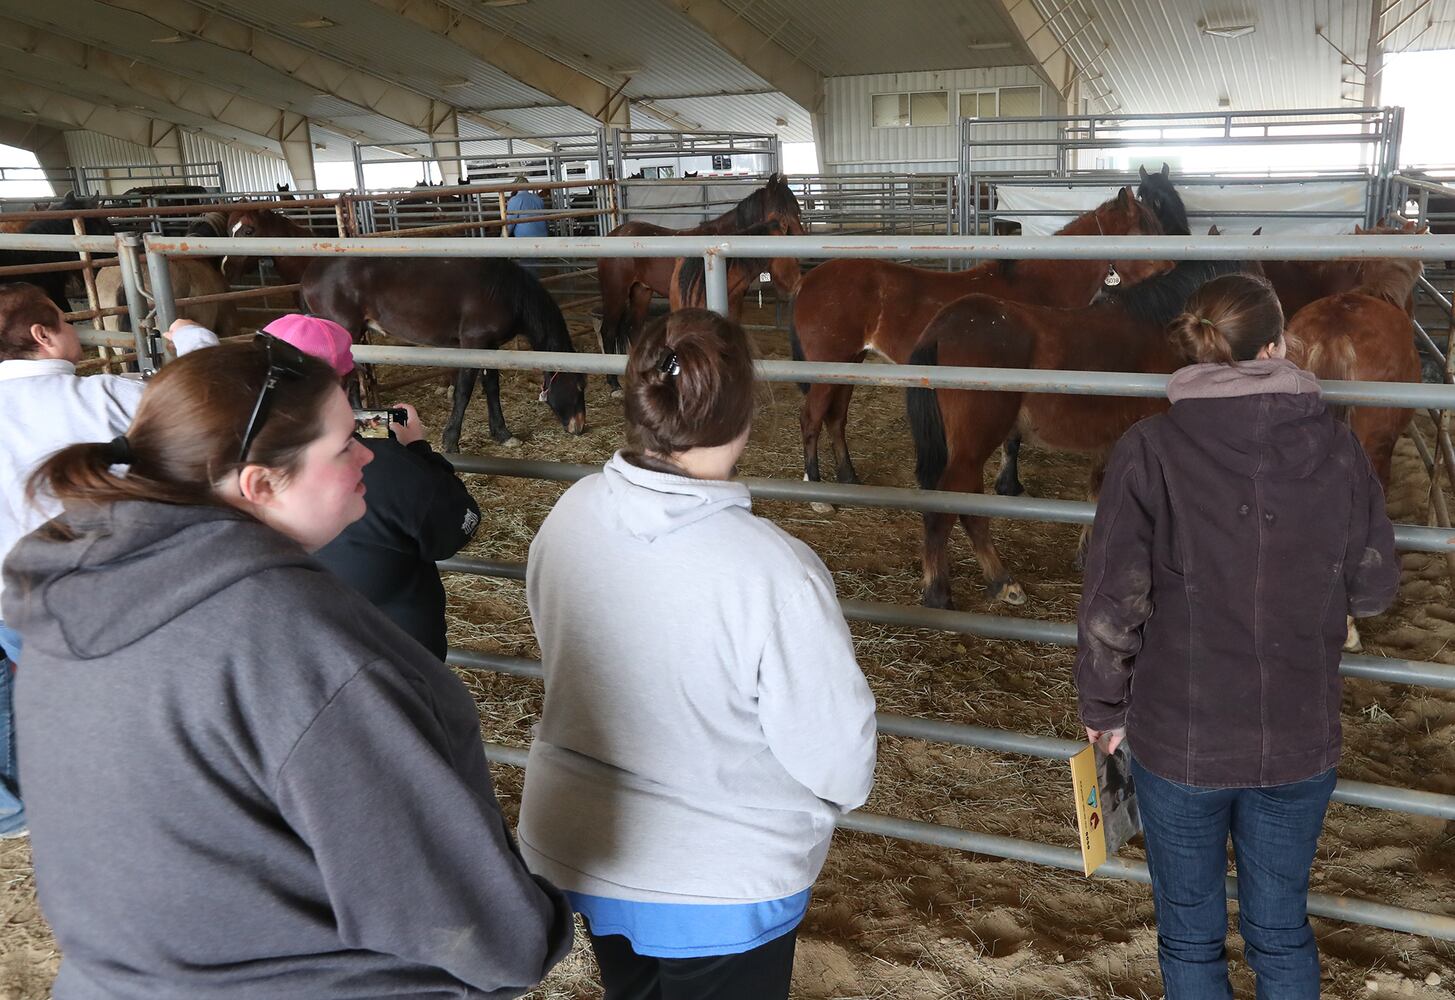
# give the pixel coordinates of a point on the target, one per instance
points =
(243, 781)
(705, 721)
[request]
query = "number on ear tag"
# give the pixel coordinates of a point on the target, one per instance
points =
(765, 276)
(1112, 279)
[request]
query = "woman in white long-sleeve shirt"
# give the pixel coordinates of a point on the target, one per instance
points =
(47, 406)
(705, 721)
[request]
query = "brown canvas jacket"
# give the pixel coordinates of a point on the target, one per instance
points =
(1232, 536)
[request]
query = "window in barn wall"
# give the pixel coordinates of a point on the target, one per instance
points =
(890, 110)
(977, 104)
(920, 108)
(1002, 102)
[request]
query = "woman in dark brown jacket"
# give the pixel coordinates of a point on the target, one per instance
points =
(1233, 535)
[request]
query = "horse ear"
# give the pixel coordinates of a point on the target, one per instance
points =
(1258, 231)
(1359, 230)
(1126, 199)
(1166, 170)
(1142, 170)
(1213, 230)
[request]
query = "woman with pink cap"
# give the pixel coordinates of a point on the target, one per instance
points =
(418, 510)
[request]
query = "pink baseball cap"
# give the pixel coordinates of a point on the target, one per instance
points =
(322, 338)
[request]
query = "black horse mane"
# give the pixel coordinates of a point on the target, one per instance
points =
(774, 198)
(539, 317)
(1158, 192)
(692, 275)
(1158, 300)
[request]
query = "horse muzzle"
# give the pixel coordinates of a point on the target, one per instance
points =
(577, 423)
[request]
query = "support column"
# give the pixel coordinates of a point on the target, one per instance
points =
(447, 153)
(296, 138)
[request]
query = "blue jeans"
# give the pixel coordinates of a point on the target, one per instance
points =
(12, 813)
(1275, 831)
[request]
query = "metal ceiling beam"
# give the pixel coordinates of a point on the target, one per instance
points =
(63, 111)
(758, 52)
(1050, 58)
(531, 67)
(48, 144)
(217, 25)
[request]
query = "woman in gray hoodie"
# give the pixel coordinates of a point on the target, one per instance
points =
(243, 780)
(705, 721)
(1233, 535)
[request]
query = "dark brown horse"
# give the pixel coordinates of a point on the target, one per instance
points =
(689, 286)
(628, 283)
(267, 223)
(957, 430)
(478, 303)
(847, 308)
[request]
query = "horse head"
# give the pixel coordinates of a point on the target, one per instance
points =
(1159, 194)
(565, 394)
(1127, 215)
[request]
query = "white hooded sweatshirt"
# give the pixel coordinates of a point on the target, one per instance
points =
(705, 720)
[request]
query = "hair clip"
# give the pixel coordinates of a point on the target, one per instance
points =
(669, 365)
(1206, 322)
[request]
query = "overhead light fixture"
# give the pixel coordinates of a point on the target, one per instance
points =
(503, 3)
(457, 84)
(1226, 30)
(170, 39)
(986, 46)
(781, 122)
(315, 22)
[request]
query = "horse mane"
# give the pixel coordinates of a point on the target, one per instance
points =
(1392, 279)
(210, 224)
(772, 199)
(692, 271)
(538, 315)
(1158, 300)
(1146, 217)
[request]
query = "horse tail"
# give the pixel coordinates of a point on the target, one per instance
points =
(691, 279)
(794, 344)
(537, 313)
(926, 424)
(1334, 359)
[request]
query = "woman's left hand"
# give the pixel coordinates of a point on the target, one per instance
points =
(1109, 739)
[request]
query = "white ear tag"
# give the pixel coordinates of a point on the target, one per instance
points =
(542, 396)
(1112, 279)
(765, 277)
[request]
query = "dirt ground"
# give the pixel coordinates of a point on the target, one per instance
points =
(890, 919)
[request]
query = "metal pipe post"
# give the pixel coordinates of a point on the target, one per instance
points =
(160, 272)
(128, 245)
(715, 271)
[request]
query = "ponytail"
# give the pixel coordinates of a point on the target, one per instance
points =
(689, 384)
(1228, 319)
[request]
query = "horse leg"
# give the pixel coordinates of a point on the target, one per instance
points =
(1093, 493)
(464, 387)
(936, 560)
(969, 477)
(835, 422)
(1008, 483)
(811, 417)
(498, 430)
(638, 303)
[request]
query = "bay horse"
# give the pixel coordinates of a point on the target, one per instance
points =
(848, 307)
(190, 276)
(478, 303)
(689, 277)
(628, 283)
(54, 283)
(266, 223)
(957, 430)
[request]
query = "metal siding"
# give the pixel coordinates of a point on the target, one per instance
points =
(852, 144)
(242, 170)
(92, 149)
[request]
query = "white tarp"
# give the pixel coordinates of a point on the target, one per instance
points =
(1203, 202)
(719, 198)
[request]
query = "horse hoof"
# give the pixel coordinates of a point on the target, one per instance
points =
(511, 442)
(1009, 489)
(822, 508)
(1012, 594)
(1353, 642)
(939, 600)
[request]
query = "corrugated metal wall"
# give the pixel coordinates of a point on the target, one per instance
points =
(241, 169)
(852, 145)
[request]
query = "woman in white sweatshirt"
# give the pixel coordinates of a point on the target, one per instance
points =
(705, 721)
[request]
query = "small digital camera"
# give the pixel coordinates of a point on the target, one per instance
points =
(375, 423)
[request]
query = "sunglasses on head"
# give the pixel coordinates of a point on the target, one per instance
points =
(284, 361)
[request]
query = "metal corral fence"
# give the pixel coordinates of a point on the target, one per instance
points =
(713, 251)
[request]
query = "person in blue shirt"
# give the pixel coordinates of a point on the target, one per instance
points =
(525, 203)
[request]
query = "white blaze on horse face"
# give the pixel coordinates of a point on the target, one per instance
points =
(236, 226)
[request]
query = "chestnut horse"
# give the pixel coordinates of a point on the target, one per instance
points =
(956, 430)
(1364, 334)
(689, 286)
(628, 283)
(849, 307)
(478, 303)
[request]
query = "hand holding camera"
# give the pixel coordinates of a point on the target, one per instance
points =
(401, 419)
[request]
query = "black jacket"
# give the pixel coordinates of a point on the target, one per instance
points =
(418, 512)
(243, 781)
(1233, 534)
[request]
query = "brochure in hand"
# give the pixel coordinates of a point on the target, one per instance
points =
(1106, 803)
